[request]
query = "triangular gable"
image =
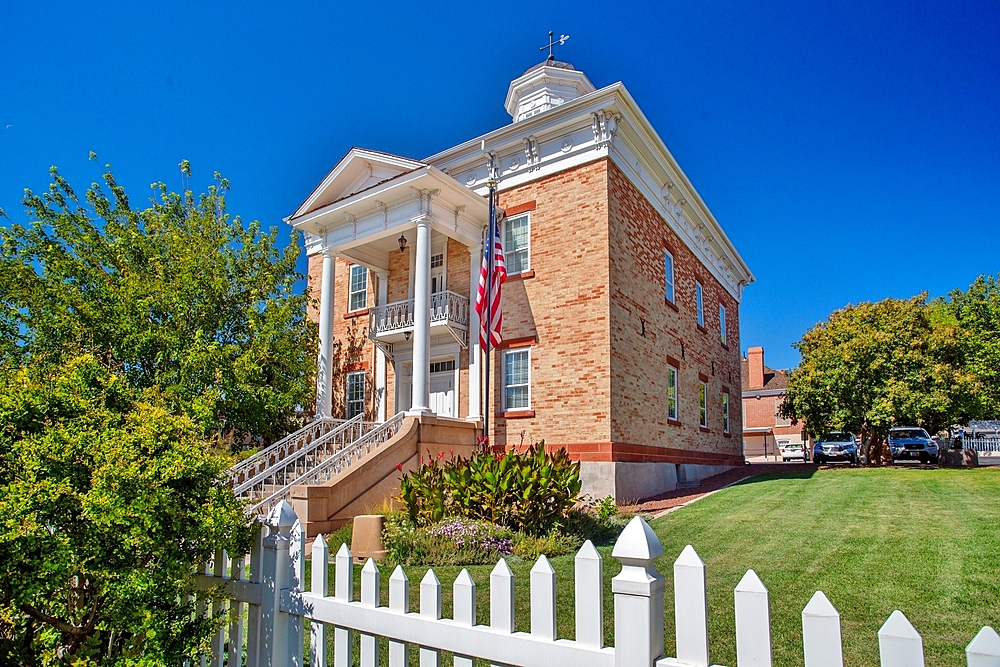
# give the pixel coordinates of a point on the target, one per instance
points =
(359, 170)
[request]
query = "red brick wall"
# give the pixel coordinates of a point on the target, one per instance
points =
(646, 330)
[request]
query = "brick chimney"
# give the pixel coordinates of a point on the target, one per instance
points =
(755, 359)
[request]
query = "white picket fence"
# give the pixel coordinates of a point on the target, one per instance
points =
(981, 444)
(271, 602)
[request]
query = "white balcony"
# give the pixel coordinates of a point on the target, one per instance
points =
(393, 323)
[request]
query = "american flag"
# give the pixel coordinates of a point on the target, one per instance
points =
(492, 324)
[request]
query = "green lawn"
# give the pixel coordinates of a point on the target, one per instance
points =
(924, 541)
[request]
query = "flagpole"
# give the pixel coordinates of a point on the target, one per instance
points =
(489, 283)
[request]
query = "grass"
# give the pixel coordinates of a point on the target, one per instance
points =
(924, 541)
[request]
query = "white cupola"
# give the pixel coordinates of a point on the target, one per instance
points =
(546, 85)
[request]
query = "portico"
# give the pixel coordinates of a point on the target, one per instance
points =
(403, 222)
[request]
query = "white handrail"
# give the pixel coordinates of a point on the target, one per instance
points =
(282, 448)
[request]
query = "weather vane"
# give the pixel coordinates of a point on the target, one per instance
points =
(562, 40)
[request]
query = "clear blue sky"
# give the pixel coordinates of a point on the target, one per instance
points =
(851, 150)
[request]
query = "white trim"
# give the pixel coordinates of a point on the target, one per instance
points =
(722, 323)
(677, 403)
(350, 285)
(347, 399)
(699, 303)
(503, 375)
(503, 236)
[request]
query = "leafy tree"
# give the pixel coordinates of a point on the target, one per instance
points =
(876, 365)
(108, 500)
(178, 295)
(976, 313)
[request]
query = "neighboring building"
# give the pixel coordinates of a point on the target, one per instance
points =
(621, 306)
(764, 430)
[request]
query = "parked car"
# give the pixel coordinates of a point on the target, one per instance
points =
(910, 442)
(792, 450)
(836, 446)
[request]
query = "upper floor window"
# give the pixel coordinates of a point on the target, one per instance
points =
(355, 394)
(722, 323)
(516, 379)
(778, 419)
(668, 270)
(699, 303)
(671, 393)
(702, 405)
(725, 412)
(358, 287)
(517, 237)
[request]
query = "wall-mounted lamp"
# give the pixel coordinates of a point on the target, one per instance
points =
(407, 334)
(402, 243)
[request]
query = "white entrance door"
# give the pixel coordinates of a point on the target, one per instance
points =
(443, 393)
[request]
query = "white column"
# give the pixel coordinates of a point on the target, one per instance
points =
(475, 353)
(324, 373)
(421, 387)
(380, 374)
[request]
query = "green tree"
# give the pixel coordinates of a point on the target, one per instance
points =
(976, 313)
(876, 365)
(178, 295)
(108, 500)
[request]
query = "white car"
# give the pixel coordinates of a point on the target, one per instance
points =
(792, 450)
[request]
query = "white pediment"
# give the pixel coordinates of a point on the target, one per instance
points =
(359, 170)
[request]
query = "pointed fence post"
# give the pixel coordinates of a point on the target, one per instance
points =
(318, 586)
(464, 595)
(899, 643)
(543, 599)
(638, 591)
(753, 622)
(296, 625)
(370, 581)
(589, 586)
(691, 608)
(984, 649)
(277, 574)
(821, 640)
(502, 598)
(430, 606)
(399, 602)
(343, 585)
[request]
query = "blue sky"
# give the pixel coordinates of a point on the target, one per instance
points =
(851, 150)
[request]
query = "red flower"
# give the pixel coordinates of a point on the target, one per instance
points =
(440, 455)
(399, 466)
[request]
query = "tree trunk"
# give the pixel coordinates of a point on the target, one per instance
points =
(878, 452)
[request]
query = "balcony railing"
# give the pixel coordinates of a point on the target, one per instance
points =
(447, 308)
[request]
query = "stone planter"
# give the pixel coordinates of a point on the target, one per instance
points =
(960, 458)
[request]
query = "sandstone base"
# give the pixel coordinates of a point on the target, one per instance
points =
(630, 483)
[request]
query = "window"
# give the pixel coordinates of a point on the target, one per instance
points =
(442, 366)
(359, 287)
(516, 379)
(355, 394)
(702, 405)
(699, 303)
(516, 239)
(722, 323)
(668, 270)
(778, 419)
(725, 412)
(671, 393)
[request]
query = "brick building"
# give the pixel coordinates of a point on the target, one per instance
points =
(764, 430)
(621, 305)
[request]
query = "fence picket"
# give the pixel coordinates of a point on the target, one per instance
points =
(319, 585)
(589, 587)
(464, 596)
(821, 640)
(430, 606)
(295, 580)
(899, 643)
(399, 601)
(370, 580)
(254, 610)
(502, 598)
(343, 586)
(984, 649)
(638, 591)
(543, 599)
(753, 622)
(236, 625)
(218, 606)
(691, 608)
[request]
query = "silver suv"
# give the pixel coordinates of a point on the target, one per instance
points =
(909, 442)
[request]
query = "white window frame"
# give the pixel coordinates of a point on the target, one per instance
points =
(351, 291)
(699, 303)
(505, 385)
(722, 323)
(702, 404)
(527, 249)
(725, 412)
(672, 390)
(347, 394)
(670, 292)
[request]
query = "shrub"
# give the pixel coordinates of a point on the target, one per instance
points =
(529, 491)
(454, 541)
